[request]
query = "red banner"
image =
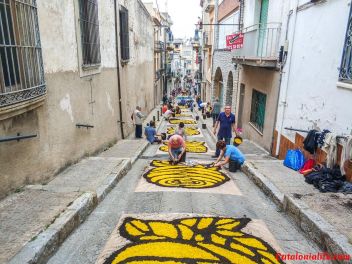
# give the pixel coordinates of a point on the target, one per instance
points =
(234, 41)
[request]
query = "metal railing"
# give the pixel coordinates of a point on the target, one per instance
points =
(21, 63)
(260, 41)
(345, 73)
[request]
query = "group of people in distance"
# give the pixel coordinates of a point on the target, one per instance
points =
(224, 125)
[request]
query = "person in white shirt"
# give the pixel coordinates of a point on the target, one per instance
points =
(169, 113)
(137, 117)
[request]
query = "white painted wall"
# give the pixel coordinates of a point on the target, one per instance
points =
(59, 37)
(309, 84)
(227, 30)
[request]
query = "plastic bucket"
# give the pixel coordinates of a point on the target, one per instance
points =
(204, 126)
(237, 141)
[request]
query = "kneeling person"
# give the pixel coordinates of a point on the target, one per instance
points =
(230, 152)
(177, 149)
(150, 133)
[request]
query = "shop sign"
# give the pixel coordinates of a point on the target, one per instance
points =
(234, 41)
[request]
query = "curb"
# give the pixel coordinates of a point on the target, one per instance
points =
(311, 223)
(47, 242)
(317, 228)
(40, 249)
(264, 184)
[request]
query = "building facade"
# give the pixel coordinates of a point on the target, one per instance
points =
(69, 79)
(316, 90)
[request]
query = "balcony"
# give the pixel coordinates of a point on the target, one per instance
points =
(209, 5)
(260, 46)
(158, 46)
(207, 40)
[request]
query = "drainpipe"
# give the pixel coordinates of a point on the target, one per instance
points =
(282, 65)
(118, 71)
(285, 91)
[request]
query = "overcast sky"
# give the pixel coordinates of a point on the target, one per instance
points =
(184, 14)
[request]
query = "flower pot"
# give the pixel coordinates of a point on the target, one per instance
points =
(204, 116)
(204, 126)
(208, 115)
(197, 118)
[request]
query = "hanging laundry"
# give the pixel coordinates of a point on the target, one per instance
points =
(330, 147)
(346, 153)
(309, 142)
(321, 137)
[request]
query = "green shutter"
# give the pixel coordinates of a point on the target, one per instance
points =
(263, 20)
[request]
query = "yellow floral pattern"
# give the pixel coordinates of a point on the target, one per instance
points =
(183, 115)
(197, 240)
(182, 176)
(190, 131)
(191, 146)
(176, 121)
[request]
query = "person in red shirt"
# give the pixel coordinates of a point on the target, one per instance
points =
(164, 108)
(177, 149)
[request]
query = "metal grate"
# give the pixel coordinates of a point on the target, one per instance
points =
(21, 67)
(258, 110)
(88, 16)
(346, 64)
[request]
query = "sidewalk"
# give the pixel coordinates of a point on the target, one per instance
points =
(38, 218)
(324, 217)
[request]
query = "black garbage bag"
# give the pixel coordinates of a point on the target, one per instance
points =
(346, 188)
(329, 185)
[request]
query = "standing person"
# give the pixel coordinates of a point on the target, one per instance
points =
(177, 149)
(150, 133)
(227, 125)
(137, 117)
(230, 152)
(216, 111)
(165, 99)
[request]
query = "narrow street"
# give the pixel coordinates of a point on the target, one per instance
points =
(175, 131)
(239, 198)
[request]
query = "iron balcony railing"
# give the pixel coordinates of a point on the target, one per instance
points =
(209, 5)
(261, 41)
(21, 63)
(207, 38)
(159, 46)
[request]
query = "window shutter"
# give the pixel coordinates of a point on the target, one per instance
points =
(124, 34)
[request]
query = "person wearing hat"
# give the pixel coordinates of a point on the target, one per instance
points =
(177, 149)
(230, 152)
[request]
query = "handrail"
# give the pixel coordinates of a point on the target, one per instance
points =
(84, 125)
(18, 137)
(307, 131)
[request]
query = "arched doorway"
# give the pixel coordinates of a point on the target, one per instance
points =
(229, 90)
(219, 86)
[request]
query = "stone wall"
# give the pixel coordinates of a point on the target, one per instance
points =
(74, 96)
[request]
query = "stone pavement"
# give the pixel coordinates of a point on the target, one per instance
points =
(324, 217)
(98, 237)
(37, 219)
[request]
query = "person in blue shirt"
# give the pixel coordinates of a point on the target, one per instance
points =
(230, 152)
(150, 133)
(227, 123)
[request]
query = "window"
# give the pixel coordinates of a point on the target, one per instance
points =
(346, 64)
(90, 39)
(258, 110)
(21, 67)
(124, 34)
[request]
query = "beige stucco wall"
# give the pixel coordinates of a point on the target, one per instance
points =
(267, 82)
(59, 142)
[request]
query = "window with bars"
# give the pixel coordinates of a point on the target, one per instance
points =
(258, 110)
(346, 63)
(90, 39)
(21, 67)
(124, 34)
